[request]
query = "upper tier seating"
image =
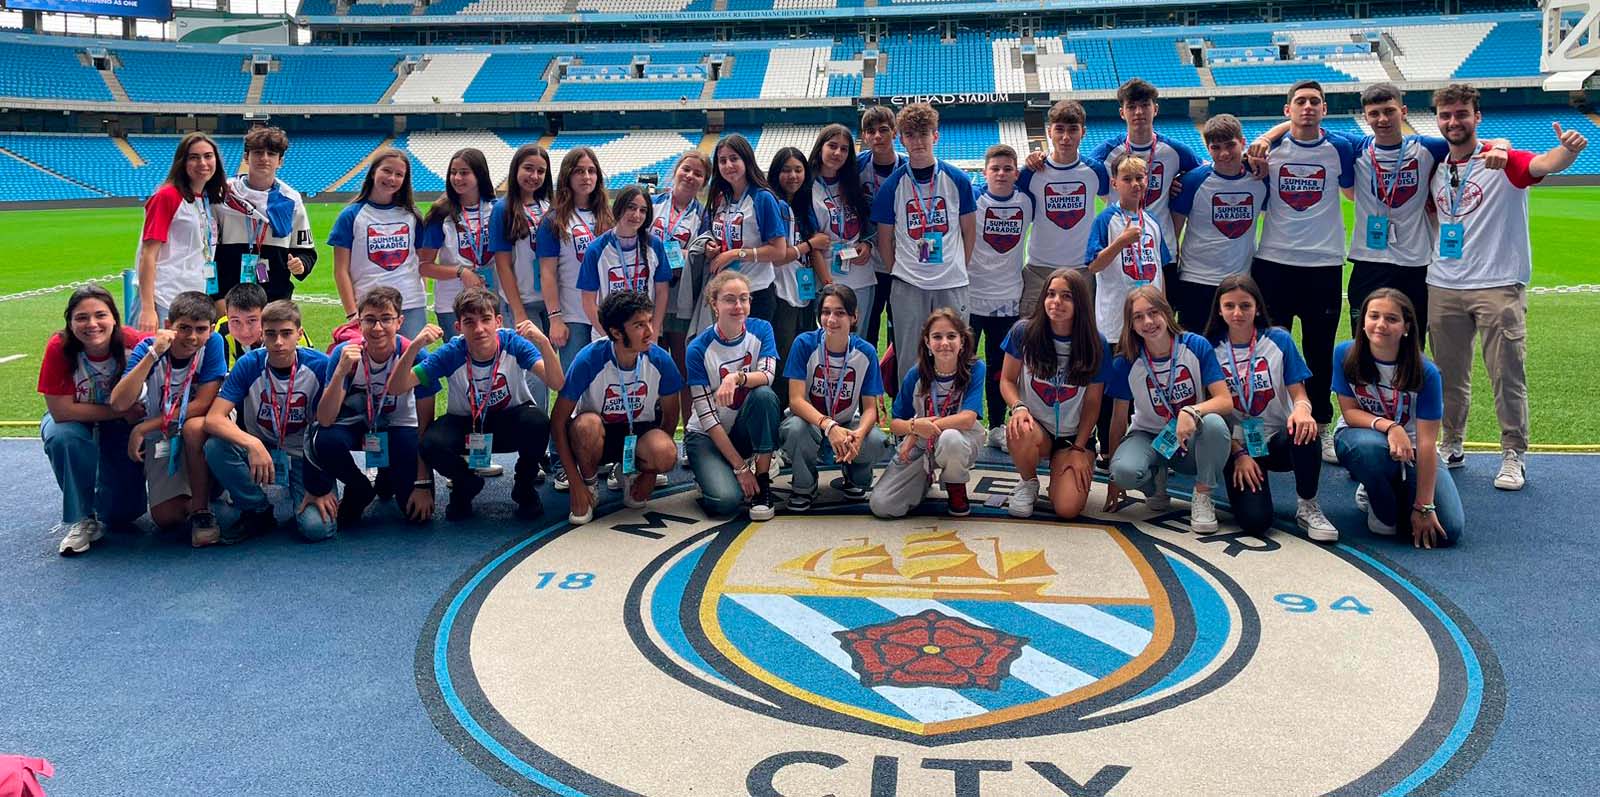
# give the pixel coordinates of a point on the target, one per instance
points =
(329, 79)
(183, 76)
(48, 73)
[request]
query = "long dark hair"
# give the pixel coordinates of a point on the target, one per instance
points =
(800, 200)
(1129, 345)
(849, 176)
(448, 205)
(565, 204)
(925, 372)
(517, 226)
(403, 197)
(1038, 342)
(1360, 368)
(70, 343)
(1216, 327)
(619, 205)
(178, 175)
(752, 173)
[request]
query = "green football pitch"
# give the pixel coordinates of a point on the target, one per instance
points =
(58, 247)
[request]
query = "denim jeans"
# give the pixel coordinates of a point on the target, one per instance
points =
(802, 446)
(579, 337)
(230, 464)
(93, 470)
(1392, 487)
(1134, 465)
(755, 431)
(413, 320)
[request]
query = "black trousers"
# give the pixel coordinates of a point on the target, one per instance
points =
(879, 311)
(1192, 302)
(1366, 277)
(1313, 295)
(1253, 509)
(993, 329)
(332, 447)
(524, 429)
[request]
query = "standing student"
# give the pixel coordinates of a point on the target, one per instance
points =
(628, 257)
(874, 167)
(996, 270)
(178, 243)
(454, 248)
(1171, 397)
(374, 240)
(488, 408)
(1126, 245)
(276, 390)
(927, 225)
(841, 206)
(1220, 240)
(1271, 419)
(1053, 381)
(678, 217)
(1478, 283)
(177, 373)
(85, 438)
(1390, 403)
(802, 269)
(620, 392)
(1063, 186)
(264, 230)
(936, 415)
(358, 413)
(745, 222)
(834, 382)
(579, 215)
(733, 428)
(513, 228)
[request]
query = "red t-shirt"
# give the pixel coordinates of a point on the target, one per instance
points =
(62, 376)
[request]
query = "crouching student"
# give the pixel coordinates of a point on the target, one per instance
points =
(620, 392)
(834, 385)
(85, 438)
(358, 413)
(734, 427)
(489, 407)
(936, 416)
(178, 372)
(275, 389)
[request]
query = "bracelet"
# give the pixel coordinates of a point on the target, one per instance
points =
(744, 378)
(1237, 452)
(1423, 509)
(749, 466)
(428, 483)
(1019, 406)
(1306, 402)
(1193, 413)
(553, 313)
(1374, 425)
(350, 315)
(824, 425)
(459, 270)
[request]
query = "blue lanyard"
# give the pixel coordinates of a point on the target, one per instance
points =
(628, 380)
(1162, 391)
(1246, 377)
(834, 389)
(1460, 189)
(1384, 189)
(208, 235)
(639, 264)
(95, 377)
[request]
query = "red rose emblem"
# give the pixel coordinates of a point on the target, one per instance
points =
(931, 649)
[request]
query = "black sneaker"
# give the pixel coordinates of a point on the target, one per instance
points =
(462, 491)
(250, 524)
(851, 490)
(526, 493)
(203, 530)
(357, 496)
(800, 502)
(762, 508)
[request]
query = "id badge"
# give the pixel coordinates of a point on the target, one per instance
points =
(280, 467)
(376, 446)
(1377, 232)
(932, 247)
(247, 267)
(805, 281)
(838, 262)
(1452, 237)
(1166, 443)
(486, 273)
(479, 445)
(210, 272)
(675, 255)
(162, 449)
(1255, 437)
(628, 444)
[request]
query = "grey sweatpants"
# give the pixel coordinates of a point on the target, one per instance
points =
(913, 305)
(903, 484)
(801, 443)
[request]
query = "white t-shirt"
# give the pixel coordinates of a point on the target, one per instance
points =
(1139, 264)
(524, 263)
(498, 383)
(277, 406)
(1493, 208)
(1159, 388)
(709, 359)
(1168, 160)
(597, 383)
(836, 382)
(1063, 199)
(568, 247)
(1219, 237)
(1404, 199)
(187, 231)
(1273, 364)
(828, 202)
(997, 255)
(609, 266)
(382, 240)
(463, 242)
(1052, 401)
(391, 410)
(924, 211)
(748, 222)
(872, 179)
(1304, 225)
(1384, 400)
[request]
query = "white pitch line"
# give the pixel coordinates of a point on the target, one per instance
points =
(11, 357)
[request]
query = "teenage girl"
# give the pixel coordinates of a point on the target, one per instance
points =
(678, 216)
(578, 215)
(801, 270)
(746, 225)
(454, 248)
(374, 241)
(841, 209)
(177, 250)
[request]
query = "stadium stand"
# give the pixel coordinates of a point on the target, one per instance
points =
(21, 179)
(180, 76)
(47, 73)
(920, 63)
(1529, 128)
(1435, 52)
(1095, 70)
(1154, 59)
(444, 78)
(315, 160)
(745, 78)
(305, 79)
(508, 77)
(1511, 49)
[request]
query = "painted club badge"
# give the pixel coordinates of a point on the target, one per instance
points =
(831, 653)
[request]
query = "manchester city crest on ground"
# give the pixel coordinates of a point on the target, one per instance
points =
(659, 653)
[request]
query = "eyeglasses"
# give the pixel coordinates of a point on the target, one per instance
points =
(386, 320)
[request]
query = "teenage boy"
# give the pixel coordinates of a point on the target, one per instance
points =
(876, 164)
(1137, 104)
(1126, 245)
(1063, 186)
(927, 225)
(177, 371)
(275, 389)
(489, 407)
(1299, 263)
(618, 390)
(1478, 282)
(265, 232)
(996, 269)
(357, 413)
(1215, 214)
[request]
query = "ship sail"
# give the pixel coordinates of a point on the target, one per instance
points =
(863, 560)
(937, 554)
(805, 564)
(1024, 564)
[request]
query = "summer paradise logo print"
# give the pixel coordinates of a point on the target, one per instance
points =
(1002, 228)
(733, 366)
(1181, 392)
(1233, 213)
(828, 387)
(1157, 187)
(1262, 392)
(1066, 203)
(938, 217)
(388, 244)
(1301, 185)
(833, 653)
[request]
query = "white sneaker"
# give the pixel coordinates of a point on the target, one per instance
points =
(79, 535)
(1158, 500)
(1308, 514)
(1361, 498)
(579, 520)
(626, 485)
(1452, 455)
(1379, 527)
(997, 438)
(1023, 498)
(1202, 513)
(1328, 454)
(1513, 472)
(614, 478)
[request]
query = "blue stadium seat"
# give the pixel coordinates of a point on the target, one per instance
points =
(1283, 72)
(744, 80)
(1510, 50)
(1098, 70)
(44, 72)
(305, 80)
(1529, 128)
(179, 76)
(26, 183)
(922, 64)
(509, 77)
(628, 90)
(315, 160)
(1154, 59)
(844, 85)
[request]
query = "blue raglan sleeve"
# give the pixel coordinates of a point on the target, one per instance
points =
(244, 374)
(1339, 384)
(326, 373)
(342, 234)
(1012, 344)
(581, 373)
(769, 218)
(694, 361)
(1184, 202)
(1025, 179)
(769, 339)
(136, 355)
(1347, 162)
(1103, 152)
(318, 363)
(499, 223)
(432, 236)
(521, 348)
(1430, 399)
(1295, 370)
(1099, 235)
(1103, 376)
(671, 380)
(589, 271)
(872, 383)
(904, 407)
(794, 366)
(446, 359)
(547, 243)
(1117, 378)
(1187, 161)
(974, 398)
(1210, 369)
(214, 364)
(1098, 166)
(1438, 147)
(963, 183)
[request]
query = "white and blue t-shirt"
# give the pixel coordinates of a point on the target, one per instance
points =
(748, 221)
(500, 382)
(1404, 407)
(842, 226)
(709, 359)
(922, 204)
(941, 400)
(676, 225)
(1219, 238)
(1161, 387)
(1052, 401)
(277, 405)
(997, 255)
(463, 242)
(598, 384)
(210, 360)
(612, 264)
(872, 179)
(836, 381)
(1063, 200)
(1273, 363)
(1139, 264)
(382, 240)
(568, 247)
(1304, 225)
(524, 261)
(1404, 191)
(391, 410)
(785, 276)
(1168, 160)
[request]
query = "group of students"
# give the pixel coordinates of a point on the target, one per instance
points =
(766, 287)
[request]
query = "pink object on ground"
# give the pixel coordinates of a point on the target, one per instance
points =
(19, 776)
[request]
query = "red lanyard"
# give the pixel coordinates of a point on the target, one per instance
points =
(580, 227)
(258, 233)
(280, 415)
(1391, 414)
(179, 408)
(1127, 146)
(670, 231)
(366, 364)
(1164, 392)
(478, 401)
(639, 265)
(476, 237)
(925, 209)
(534, 215)
(944, 406)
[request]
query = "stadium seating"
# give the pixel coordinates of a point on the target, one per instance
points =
(329, 79)
(1434, 52)
(22, 180)
(508, 77)
(48, 73)
(1096, 68)
(628, 90)
(183, 76)
(920, 63)
(747, 76)
(1154, 59)
(445, 78)
(1510, 50)
(796, 72)
(315, 160)
(1279, 73)
(1529, 128)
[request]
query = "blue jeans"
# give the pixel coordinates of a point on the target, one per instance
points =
(578, 338)
(802, 446)
(755, 431)
(447, 322)
(133, 312)
(536, 314)
(94, 472)
(415, 319)
(1392, 487)
(1133, 467)
(231, 465)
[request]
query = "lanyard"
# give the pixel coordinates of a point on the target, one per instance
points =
(925, 207)
(207, 235)
(1138, 246)
(834, 388)
(366, 364)
(476, 237)
(1163, 392)
(628, 379)
(639, 265)
(1057, 381)
(1391, 414)
(1245, 377)
(944, 406)
(670, 231)
(1385, 188)
(534, 214)
(729, 210)
(1458, 190)
(835, 210)
(258, 233)
(280, 416)
(478, 401)
(1127, 146)
(580, 227)
(177, 407)
(97, 378)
